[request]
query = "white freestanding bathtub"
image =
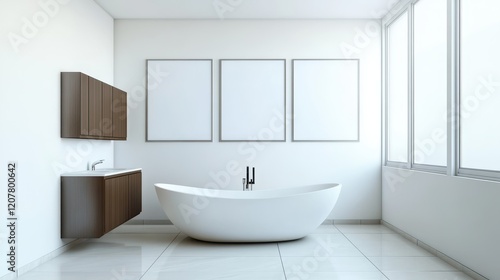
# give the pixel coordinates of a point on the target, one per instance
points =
(247, 216)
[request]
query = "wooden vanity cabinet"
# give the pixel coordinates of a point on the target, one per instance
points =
(116, 202)
(92, 109)
(93, 206)
(135, 191)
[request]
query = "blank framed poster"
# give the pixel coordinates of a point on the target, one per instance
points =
(179, 100)
(325, 100)
(252, 100)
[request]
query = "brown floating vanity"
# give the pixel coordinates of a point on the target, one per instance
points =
(95, 202)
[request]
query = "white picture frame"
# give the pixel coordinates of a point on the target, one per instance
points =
(179, 100)
(325, 100)
(252, 100)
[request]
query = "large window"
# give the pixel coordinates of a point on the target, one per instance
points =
(443, 87)
(417, 86)
(479, 85)
(430, 82)
(397, 89)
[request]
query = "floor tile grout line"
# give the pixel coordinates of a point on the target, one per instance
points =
(281, 260)
(396, 234)
(159, 256)
(387, 277)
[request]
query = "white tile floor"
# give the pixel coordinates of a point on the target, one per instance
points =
(332, 252)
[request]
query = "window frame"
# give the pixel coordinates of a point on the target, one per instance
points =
(441, 169)
(453, 167)
(477, 173)
(395, 18)
(408, 8)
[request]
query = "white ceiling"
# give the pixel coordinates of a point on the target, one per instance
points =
(246, 9)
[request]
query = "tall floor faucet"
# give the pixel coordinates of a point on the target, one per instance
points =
(249, 181)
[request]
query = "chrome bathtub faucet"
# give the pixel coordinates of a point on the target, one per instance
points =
(96, 163)
(248, 180)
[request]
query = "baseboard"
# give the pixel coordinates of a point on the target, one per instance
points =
(353, 221)
(148, 222)
(461, 267)
(27, 267)
(326, 222)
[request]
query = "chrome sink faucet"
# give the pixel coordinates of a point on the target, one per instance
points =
(96, 163)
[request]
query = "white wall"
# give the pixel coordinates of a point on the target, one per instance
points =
(355, 165)
(60, 36)
(458, 216)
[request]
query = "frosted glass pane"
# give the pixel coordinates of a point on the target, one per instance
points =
(397, 90)
(480, 85)
(430, 82)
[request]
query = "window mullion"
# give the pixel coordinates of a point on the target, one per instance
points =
(453, 118)
(410, 88)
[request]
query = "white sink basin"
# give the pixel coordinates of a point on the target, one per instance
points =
(100, 172)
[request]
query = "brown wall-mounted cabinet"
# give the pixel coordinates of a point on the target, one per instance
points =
(93, 206)
(91, 109)
(119, 109)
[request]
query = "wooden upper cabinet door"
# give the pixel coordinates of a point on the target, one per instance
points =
(95, 107)
(107, 110)
(84, 104)
(74, 105)
(119, 114)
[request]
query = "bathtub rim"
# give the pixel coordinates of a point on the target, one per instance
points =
(255, 194)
